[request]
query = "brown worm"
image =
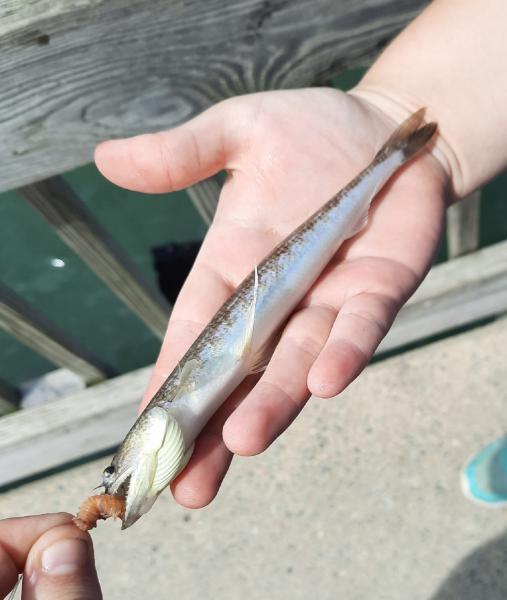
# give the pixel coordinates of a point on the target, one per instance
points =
(98, 507)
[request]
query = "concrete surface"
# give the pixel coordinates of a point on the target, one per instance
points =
(360, 500)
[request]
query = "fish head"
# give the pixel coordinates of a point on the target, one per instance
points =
(151, 455)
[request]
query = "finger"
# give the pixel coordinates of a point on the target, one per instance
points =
(17, 535)
(282, 391)
(8, 573)
(170, 160)
(361, 324)
(200, 481)
(61, 565)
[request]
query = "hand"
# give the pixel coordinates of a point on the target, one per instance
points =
(54, 556)
(286, 153)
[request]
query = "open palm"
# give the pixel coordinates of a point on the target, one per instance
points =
(286, 153)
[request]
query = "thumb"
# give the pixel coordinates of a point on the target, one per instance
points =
(170, 160)
(61, 565)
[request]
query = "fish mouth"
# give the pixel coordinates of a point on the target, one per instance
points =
(120, 486)
(129, 520)
(122, 490)
(135, 507)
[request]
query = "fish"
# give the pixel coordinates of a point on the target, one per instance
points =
(240, 338)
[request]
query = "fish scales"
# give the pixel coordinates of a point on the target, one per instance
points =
(270, 270)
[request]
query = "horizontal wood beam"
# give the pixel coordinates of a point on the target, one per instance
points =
(455, 293)
(36, 439)
(75, 73)
(33, 329)
(97, 419)
(77, 226)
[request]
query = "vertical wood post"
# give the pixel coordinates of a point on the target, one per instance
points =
(9, 397)
(76, 225)
(204, 196)
(463, 225)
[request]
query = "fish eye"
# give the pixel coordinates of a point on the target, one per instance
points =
(108, 472)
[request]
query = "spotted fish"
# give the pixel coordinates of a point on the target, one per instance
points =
(239, 339)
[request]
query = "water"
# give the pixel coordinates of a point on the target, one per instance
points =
(39, 267)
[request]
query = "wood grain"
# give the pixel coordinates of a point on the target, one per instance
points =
(75, 72)
(33, 329)
(78, 227)
(39, 438)
(463, 225)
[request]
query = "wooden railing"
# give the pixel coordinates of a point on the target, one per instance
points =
(75, 73)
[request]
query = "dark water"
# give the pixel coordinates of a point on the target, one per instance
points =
(72, 296)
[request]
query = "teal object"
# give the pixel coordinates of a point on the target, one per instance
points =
(484, 478)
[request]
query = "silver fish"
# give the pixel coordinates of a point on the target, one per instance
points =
(239, 338)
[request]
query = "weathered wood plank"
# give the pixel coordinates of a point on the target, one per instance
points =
(463, 225)
(204, 196)
(9, 397)
(75, 72)
(98, 418)
(36, 331)
(40, 438)
(455, 293)
(76, 225)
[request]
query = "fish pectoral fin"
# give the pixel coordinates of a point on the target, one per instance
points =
(185, 383)
(186, 370)
(358, 226)
(261, 358)
(257, 361)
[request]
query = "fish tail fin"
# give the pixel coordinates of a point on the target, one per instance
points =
(409, 137)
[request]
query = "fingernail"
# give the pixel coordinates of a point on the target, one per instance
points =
(65, 557)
